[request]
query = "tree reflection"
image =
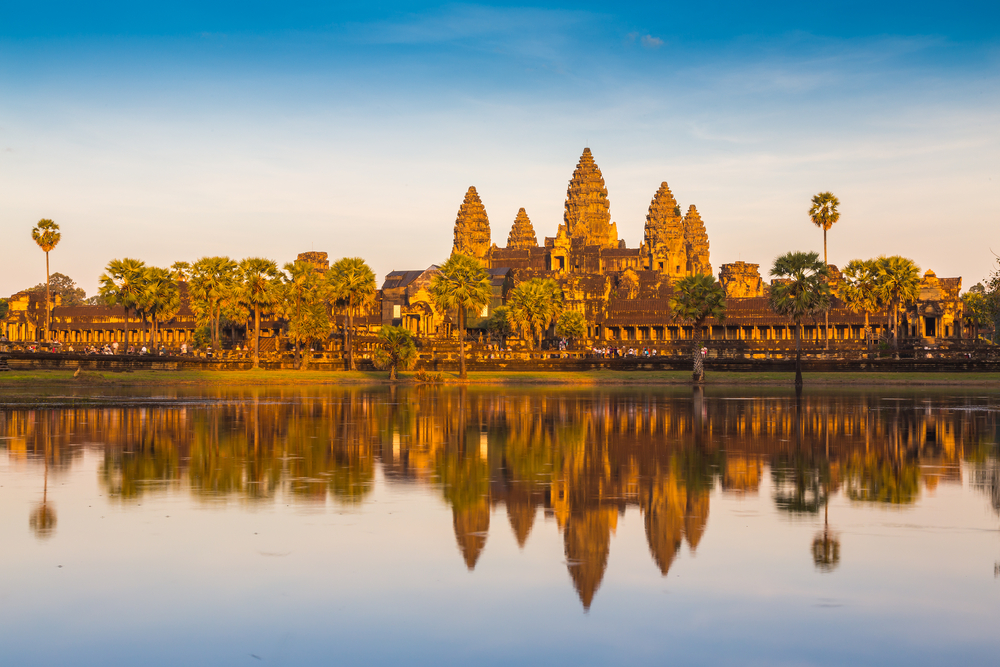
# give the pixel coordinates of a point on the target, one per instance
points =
(582, 458)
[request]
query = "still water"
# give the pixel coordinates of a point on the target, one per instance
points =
(446, 526)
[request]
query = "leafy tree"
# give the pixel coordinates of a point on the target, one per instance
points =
(571, 325)
(352, 284)
(46, 235)
(802, 291)
(122, 284)
(898, 285)
(461, 285)
(498, 325)
(697, 298)
(212, 287)
(254, 292)
(301, 301)
(3, 308)
(860, 289)
(980, 308)
(65, 288)
(533, 306)
(396, 350)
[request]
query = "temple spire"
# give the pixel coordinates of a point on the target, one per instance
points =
(522, 234)
(472, 227)
(588, 210)
(663, 246)
(696, 240)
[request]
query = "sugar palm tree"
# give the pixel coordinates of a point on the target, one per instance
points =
(396, 350)
(212, 281)
(462, 285)
(352, 283)
(898, 285)
(46, 235)
(255, 292)
(697, 298)
(123, 283)
(301, 301)
(824, 214)
(180, 271)
(533, 305)
(160, 299)
(802, 291)
(860, 289)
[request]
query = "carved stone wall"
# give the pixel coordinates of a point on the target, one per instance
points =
(741, 280)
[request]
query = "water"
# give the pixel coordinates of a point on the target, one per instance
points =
(438, 525)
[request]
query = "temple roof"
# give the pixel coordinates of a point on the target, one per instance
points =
(663, 221)
(472, 227)
(588, 210)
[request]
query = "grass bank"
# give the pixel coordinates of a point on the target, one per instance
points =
(28, 379)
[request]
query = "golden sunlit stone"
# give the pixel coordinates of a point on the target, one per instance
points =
(588, 212)
(472, 227)
(522, 234)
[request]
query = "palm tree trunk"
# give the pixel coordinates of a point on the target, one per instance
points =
(256, 337)
(798, 355)
(350, 338)
(699, 362)
(895, 330)
(48, 301)
(125, 345)
(868, 337)
(461, 343)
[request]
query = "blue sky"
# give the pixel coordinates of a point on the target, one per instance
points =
(169, 131)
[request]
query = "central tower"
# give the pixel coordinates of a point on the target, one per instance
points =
(588, 211)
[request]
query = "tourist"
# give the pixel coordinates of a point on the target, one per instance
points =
(114, 347)
(184, 348)
(143, 350)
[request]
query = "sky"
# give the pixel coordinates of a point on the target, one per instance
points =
(171, 131)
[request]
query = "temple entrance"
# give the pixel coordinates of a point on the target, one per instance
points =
(930, 328)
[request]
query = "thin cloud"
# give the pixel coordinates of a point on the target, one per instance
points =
(651, 42)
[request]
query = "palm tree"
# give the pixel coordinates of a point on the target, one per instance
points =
(571, 325)
(533, 306)
(824, 214)
(46, 235)
(160, 299)
(802, 291)
(123, 284)
(695, 299)
(255, 292)
(898, 285)
(462, 284)
(301, 301)
(212, 283)
(352, 283)
(860, 290)
(397, 350)
(180, 271)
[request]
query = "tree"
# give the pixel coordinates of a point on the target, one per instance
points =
(980, 308)
(498, 325)
(46, 235)
(462, 284)
(255, 293)
(695, 299)
(533, 306)
(802, 291)
(301, 301)
(122, 284)
(65, 288)
(160, 299)
(396, 350)
(180, 271)
(3, 308)
(860, 289)
(824, 214)
(898, 285)
(211, 284)
(352, 284)
(571, 325)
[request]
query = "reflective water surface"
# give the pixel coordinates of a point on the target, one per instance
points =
(445, 525)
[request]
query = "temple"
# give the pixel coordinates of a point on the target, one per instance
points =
(623, 293)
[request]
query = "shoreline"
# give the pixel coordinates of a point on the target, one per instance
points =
(17, 379)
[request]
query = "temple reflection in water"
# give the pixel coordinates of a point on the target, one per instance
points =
(580, 457)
